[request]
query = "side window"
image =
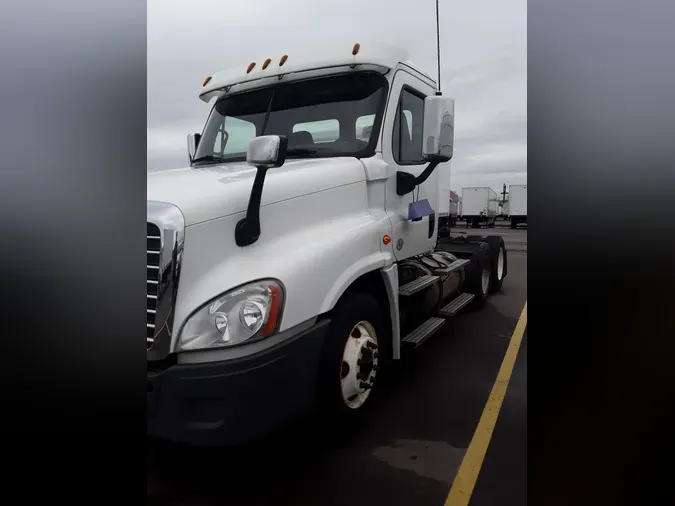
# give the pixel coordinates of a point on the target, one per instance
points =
(364, 127)
(407, 135)
(327, 130)
(233, 136)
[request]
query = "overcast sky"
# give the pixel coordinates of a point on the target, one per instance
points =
(483, 65)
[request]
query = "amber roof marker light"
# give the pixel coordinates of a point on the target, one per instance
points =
(251, 66)
(283, 60)
(206, 81)
(266, 63)
(356, 48)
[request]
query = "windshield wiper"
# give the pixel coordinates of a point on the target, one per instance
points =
(302, 152)
(210, 158)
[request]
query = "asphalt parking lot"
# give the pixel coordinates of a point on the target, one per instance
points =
(414, 444)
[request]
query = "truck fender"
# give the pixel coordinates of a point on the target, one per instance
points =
(390, 278)
(372, 262)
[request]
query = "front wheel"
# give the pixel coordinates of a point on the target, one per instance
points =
(352, 358)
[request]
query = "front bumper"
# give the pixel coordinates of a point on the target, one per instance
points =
(236, 401)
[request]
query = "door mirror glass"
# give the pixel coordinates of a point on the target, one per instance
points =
(438, 133)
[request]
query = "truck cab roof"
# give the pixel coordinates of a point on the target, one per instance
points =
(266, 71)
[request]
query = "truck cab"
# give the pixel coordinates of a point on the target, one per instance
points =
(298, 254)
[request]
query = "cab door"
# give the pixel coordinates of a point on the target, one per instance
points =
(402, 150)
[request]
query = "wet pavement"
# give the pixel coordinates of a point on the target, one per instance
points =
(413, 443)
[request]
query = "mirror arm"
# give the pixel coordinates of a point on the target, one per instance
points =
(247, 230)
(406, 182)
(264, 152)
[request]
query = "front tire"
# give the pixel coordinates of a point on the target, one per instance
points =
(354, 352)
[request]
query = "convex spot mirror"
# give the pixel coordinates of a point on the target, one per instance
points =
(267, 151)
(193, 144)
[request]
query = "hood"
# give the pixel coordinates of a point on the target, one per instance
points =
(210, 192)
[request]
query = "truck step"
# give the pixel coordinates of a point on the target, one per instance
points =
(453, 266)
(423, 332)
(453, 307)
(417, 285)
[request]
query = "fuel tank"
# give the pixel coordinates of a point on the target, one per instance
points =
(419, 307)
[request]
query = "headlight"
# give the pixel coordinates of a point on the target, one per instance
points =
(251, 311)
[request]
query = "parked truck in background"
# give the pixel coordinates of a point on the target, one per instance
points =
(285, 274)
(446, 219)
(454, 208)
(449, 219)
(479, 206)
(518, 204)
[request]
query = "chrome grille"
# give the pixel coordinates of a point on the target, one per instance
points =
(165, 240)
(154, 247)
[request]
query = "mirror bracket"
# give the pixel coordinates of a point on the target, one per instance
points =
(247, 230)
(406, 182)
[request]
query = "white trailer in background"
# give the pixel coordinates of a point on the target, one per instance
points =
(479, 206)
(517, 204)
(445, 218)
(454, 207)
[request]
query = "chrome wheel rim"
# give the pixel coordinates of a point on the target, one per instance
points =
(360, 362)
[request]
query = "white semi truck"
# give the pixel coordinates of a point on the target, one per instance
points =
(518, 204)
(479, 206)
(285, 274)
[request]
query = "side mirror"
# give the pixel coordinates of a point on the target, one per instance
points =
(438, 132)
(193, 144)
(438, 136)
(264, 152)
(267, 151)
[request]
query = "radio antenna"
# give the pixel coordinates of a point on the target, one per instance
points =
(438, 48)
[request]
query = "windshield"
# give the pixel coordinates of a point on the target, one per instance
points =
(332, 116)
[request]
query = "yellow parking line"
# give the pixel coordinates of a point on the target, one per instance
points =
(465, 481)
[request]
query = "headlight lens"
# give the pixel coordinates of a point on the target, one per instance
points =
(251, 311)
